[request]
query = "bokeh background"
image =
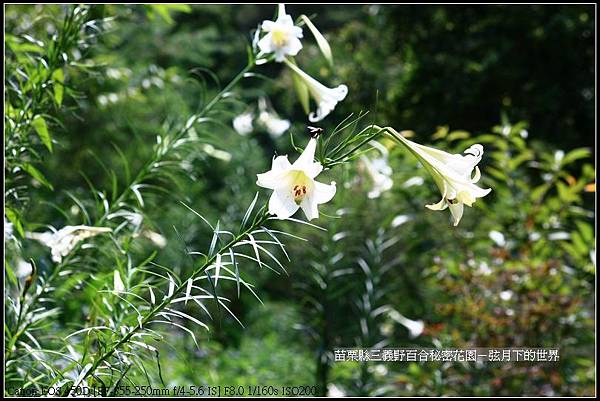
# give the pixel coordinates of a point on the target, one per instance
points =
(518, 271)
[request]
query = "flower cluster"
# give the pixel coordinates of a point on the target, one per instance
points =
(282, 39)
(267, 119)
(294, 186)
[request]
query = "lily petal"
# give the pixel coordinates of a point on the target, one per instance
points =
(442, 204)
(323, 193)
(456, 209)
(309, 206)
(282, 204)
(306, 161)
(273, 178)
(477, 175)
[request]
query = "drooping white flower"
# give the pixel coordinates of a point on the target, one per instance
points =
(415, 327)
(270, 120)
(379, 170)
(23, 269)
(156, 238)
(243, 123)
(326, 98)
(453, 174)
(62, 242)
(413, 181)
(275, 126)
(282, 38)
(294, 185)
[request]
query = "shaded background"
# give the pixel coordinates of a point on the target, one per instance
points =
(518, 271)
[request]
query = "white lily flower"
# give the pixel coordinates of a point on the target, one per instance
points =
(275, 126)
(62, 242)
(243, 123)
(326, 98)
(415, 327)
(156, 238)
(282, 38)
(379, 171)
(413, 181)
(453, 174)
(294, 185)
(23, 269)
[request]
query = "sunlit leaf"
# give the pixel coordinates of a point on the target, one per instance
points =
(39, 124)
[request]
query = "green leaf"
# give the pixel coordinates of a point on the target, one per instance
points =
(58, 80)
(579, 243)
(586, 230)
(538, 192)
(15, 219)
(575, 154)
(249, 212)
(321, 41)
(35, 173)
(454, 135)
(497, 173)
(515, 162)
(39, 124)
(10, 273)
(165, 10)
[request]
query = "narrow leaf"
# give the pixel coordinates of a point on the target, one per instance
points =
(249, 211)
(39, 124)
(37, 174)
(188, 290)
(321, 41)
(58, 80)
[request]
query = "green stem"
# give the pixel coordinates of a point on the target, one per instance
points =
(369, 138)
(139, 178)
(257, 223)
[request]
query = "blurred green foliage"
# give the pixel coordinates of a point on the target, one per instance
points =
(518, 271)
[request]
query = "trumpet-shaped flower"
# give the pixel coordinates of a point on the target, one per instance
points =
(294, 185)
(62, 242)
(270, 120)
(453, 174)
(282, 38)
(326, 98)
(415, 327)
